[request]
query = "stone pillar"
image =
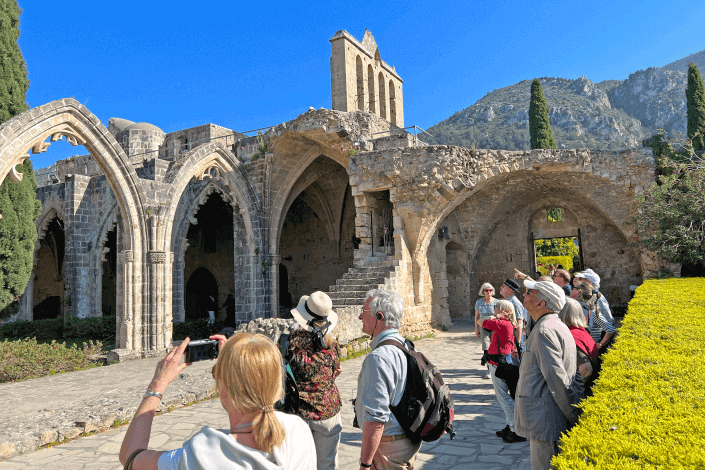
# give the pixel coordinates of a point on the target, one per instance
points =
(127, 322)
(178, 290)
(157, 261)
(26, 312)
(272, 264)
(363, 229)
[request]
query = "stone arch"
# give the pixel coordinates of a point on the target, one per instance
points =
(109, 223)
(371, 96)
(184, 217)
(360, 83)
(69, 119)
(213, 161)
(382, 97)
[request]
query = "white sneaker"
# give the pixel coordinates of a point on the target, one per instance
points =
(488, 375)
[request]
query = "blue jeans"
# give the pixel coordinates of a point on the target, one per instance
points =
(501, 392)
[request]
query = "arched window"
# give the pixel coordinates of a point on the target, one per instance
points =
(382, 97)
(392, 104)
(360, 84)
(371, 88)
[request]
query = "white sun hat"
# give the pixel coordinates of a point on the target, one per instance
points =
(317, 306)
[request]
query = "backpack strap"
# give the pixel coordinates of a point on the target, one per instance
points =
(394, 342)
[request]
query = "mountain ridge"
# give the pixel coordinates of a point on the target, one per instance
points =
(608, 115)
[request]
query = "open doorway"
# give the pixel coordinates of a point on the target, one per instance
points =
(559, 253)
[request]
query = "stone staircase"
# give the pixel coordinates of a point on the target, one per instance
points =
(379, 272)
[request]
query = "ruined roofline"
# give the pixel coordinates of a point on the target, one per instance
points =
(344, 34)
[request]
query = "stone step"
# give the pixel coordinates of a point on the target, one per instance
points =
(372, 270)
(340, 303)
(356, 294)
(361, 281)
(356, 288)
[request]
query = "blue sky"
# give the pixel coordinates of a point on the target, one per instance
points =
(247, 65)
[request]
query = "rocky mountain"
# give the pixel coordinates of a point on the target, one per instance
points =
(610, 115)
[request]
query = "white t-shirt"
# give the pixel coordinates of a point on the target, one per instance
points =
(211, 448)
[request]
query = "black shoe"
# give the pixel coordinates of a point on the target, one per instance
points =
(503, 432)
(512, 437)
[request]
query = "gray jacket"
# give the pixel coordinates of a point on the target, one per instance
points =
(544, 398)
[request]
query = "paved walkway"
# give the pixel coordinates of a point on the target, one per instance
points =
(456, 353)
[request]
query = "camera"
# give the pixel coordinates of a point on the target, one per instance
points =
(201, 350)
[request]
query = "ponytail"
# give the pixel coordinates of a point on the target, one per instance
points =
(268, 432)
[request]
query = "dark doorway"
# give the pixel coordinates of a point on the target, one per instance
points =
(109, 268)
(200, 289)
(285, 301)
(48, 292)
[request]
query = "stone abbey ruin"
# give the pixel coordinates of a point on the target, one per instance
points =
(149, 224)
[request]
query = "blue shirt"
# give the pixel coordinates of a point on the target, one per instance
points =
(519, 311)
(381, 383)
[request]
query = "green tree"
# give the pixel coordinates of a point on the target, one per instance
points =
(19, 208)
(18, 201)
(556, 247)
(539, 125)
(695, 96)
(13, 72)
(671, 213)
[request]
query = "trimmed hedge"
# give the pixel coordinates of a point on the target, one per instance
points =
(565, 261)
(98, 329)
(648, 408)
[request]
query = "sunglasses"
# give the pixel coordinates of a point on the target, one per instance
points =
(488, 290)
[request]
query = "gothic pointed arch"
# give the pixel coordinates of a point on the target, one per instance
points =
(216, 162)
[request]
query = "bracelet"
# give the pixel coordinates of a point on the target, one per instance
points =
(365, 465)
(150, 393)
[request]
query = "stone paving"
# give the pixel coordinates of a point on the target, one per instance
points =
(456, 353)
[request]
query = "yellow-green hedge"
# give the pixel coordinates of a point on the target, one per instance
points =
(648, 410)
(565, 261)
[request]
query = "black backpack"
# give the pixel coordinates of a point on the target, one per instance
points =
(425, 411)
(290, 402)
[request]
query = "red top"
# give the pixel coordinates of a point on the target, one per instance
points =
(503, 334)
(584, 341)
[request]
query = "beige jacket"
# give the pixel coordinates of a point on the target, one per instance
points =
(544, 397)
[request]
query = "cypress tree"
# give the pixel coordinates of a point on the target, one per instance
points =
(695, 96)
(539, 125)
(13, 72)
(18, 201)
(19, 208)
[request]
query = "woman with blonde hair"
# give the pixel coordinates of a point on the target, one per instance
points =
(502, 324)
(484, 307)
(248, 377)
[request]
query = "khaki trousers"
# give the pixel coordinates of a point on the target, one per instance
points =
(396, 455)
(541, 453)
(326, 437)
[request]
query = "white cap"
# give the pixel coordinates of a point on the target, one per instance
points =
(550, 291)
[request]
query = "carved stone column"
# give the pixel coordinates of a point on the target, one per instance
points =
(127, 322)
(155, 331)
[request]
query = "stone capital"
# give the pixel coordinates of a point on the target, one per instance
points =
(156, 257)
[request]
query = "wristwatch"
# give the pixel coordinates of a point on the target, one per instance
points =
(365, 465)
(150, 393)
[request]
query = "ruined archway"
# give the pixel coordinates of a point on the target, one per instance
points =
(319, 211)
(68, 119)
(493, 194)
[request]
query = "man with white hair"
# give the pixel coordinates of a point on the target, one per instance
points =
(380, 385)
(591, 276)
(544, 396)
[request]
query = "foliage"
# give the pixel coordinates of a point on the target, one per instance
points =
(98, 329)
(539, 126)
(648, 408)
(13, 71)
(555, 214)
(19, 208)
(556, 247)
(542, 262)
(695, 96)
(671, 213)
(27, 359)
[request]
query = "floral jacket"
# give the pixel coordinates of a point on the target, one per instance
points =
(315, 374)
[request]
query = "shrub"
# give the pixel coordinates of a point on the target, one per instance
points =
(98, 329)
(648, 407)
(27, 359)
(542, 262)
